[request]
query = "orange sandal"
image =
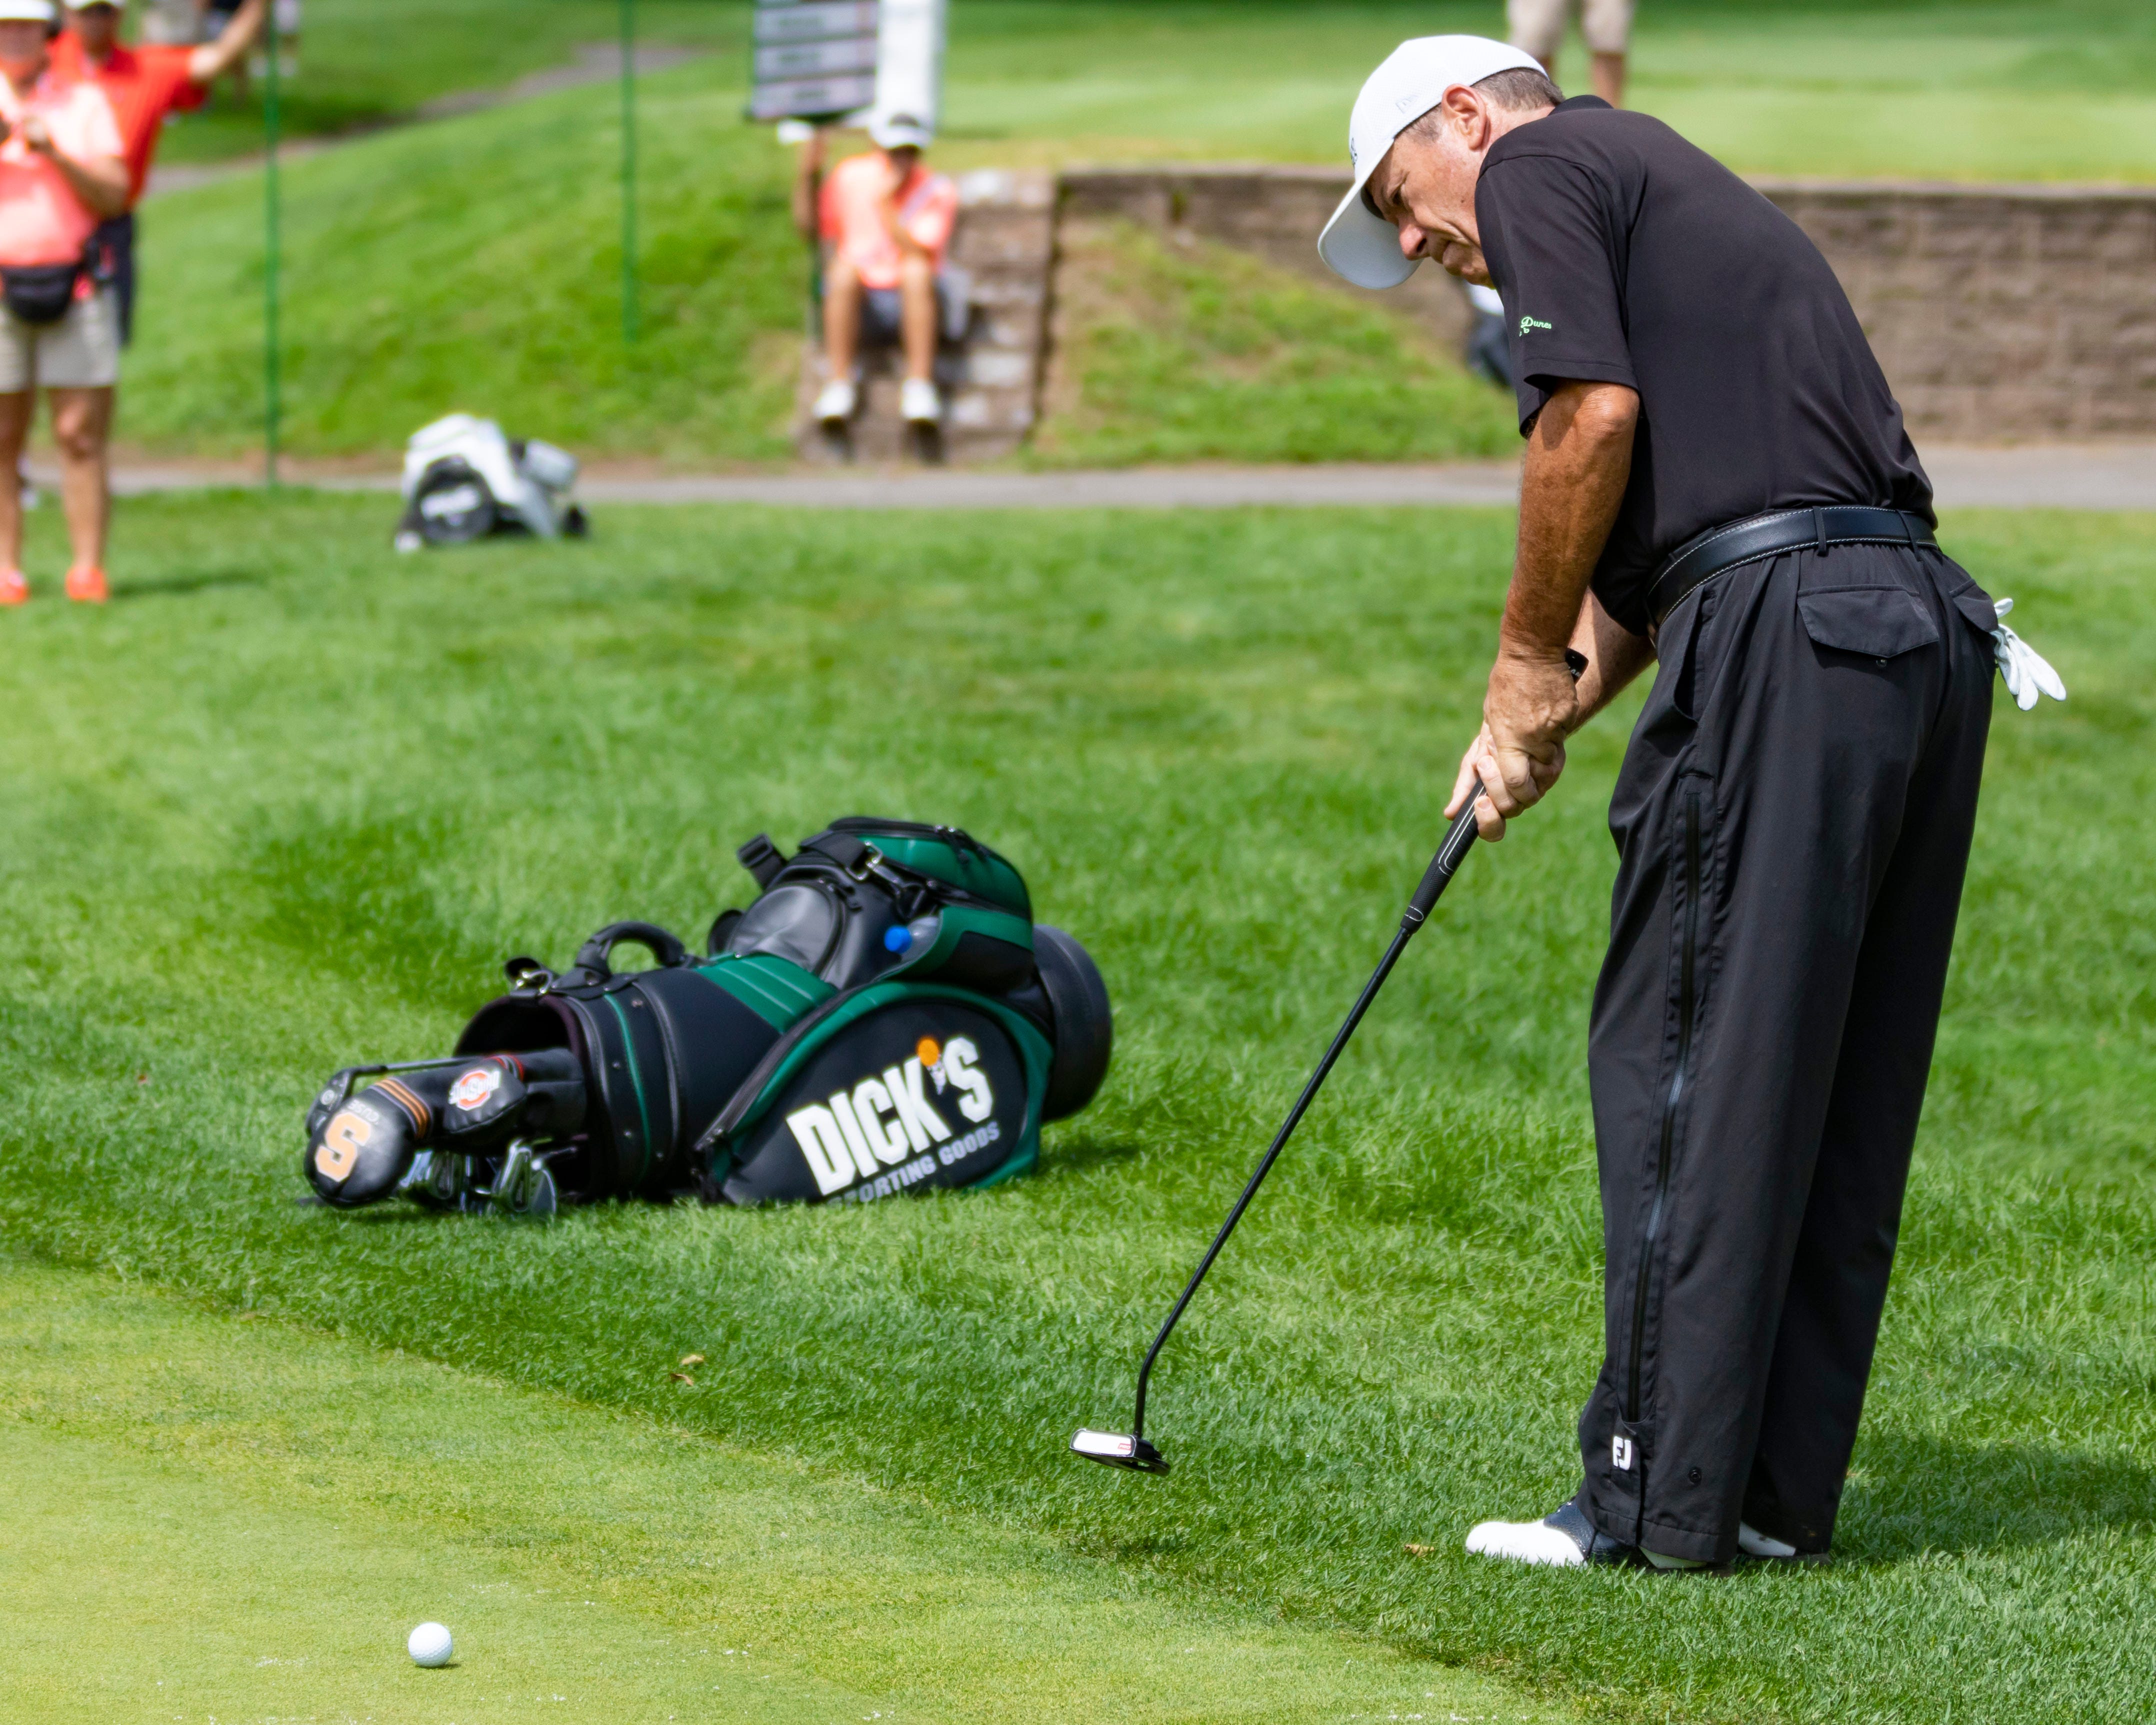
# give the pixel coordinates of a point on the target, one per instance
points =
(14, 590)
(86, 582)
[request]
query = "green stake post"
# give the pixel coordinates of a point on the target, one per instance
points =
(272, 378)
(629, 307)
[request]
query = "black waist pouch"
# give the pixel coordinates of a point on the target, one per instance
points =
(39, 293)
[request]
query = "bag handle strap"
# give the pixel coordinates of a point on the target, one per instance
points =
(762, 858)
(595, 958)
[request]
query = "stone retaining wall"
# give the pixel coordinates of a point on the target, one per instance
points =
(1999, 313)
(1275, 212)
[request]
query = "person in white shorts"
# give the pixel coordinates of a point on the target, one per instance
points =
(62, 172)
(1538, 27)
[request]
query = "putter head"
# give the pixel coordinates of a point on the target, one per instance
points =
(1114, 1449)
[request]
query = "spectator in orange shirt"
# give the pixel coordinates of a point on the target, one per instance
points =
(144, 85)
(61, 172)
(886, 222)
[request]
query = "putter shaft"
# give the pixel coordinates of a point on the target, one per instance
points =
(1458, 838)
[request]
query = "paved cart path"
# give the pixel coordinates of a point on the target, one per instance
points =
(2052, 476)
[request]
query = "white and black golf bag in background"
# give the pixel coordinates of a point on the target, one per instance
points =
(465, 479)
(886, 1017)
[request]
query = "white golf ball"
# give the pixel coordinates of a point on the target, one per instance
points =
(431, 1644)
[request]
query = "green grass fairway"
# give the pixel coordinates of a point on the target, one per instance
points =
(211, 1518)
(288, 802)
(1960, 89)
(1953, 88)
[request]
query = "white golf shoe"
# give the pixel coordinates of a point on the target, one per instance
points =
(836, 405)
(1565, 1539)
(918, 403)
(1526, 1542)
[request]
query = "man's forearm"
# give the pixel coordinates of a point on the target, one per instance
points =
(1579, 459)
(1614, 655)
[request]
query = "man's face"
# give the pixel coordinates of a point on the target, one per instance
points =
(903, 160)
(97, 27)
(22, 47)
(1425, 185)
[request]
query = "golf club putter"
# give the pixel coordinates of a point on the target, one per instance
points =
(1116, 1449)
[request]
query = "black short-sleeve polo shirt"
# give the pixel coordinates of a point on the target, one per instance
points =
(1626, 256)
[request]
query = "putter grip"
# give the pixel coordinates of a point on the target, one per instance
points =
(1457, 838)
(1461, 834)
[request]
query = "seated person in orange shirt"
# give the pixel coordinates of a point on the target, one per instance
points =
(61, 173)
(144, 85)
(886, 222)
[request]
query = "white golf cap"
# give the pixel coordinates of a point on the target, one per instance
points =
(27, 11)
(1413, 79)
(899, 131)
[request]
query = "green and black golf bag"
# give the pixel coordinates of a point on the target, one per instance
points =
(885, 1017)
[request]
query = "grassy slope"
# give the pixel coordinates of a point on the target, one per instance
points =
(1170, 352)
(476, 263)
(211, 1519)
(412, 291)
(287, 802)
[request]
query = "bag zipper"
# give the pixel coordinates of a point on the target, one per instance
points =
(1686, 984)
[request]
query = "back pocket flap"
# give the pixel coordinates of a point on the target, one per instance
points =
(1879, 621)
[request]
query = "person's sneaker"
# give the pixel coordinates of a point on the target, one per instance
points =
(836, 405)
(14, 590)
(86, 582)
(918, 403)
(1565, 1538)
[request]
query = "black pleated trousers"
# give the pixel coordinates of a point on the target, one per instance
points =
(1792, 823)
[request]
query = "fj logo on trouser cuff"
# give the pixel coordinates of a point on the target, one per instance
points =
(1620, 1453)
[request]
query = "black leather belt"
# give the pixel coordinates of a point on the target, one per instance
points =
(1779, 530)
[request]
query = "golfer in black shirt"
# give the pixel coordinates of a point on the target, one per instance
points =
(1718, 476)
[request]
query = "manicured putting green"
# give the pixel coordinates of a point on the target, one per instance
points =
(211, 1519)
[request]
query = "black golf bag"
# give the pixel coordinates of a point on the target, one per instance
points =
(885, 1017)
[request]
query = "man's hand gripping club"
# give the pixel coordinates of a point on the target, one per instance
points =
(1579, 458)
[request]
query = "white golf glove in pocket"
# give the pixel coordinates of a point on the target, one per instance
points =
(2027, 672)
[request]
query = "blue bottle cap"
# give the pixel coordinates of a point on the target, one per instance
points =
(896, 938)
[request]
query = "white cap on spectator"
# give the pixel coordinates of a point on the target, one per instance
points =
(1357, 242)
(27, 11)
(891, 131)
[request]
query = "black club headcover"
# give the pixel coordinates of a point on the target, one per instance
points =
(360, 1146)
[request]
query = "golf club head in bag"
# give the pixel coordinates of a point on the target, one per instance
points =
(362, 1144)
